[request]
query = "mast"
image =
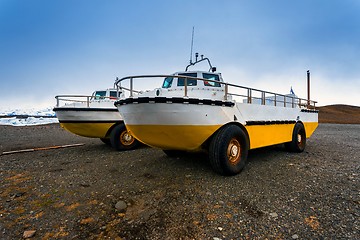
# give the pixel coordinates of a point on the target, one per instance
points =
(308, 88)
(192, 44)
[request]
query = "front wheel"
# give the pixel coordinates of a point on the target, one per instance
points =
(298, 141)
(228, 150)
(121, 139)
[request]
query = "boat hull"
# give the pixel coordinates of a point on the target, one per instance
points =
(184, 126)
(88, 122)
(275, 133)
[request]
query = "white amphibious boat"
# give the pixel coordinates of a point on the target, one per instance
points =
(197, 110)
(95, 116)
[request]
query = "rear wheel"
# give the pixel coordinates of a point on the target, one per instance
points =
(298, 141)
(228, 150)
(121, 139)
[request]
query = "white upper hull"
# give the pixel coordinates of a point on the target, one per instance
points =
(184, 117)
(191, 114)
(95, 111)
(88, 115)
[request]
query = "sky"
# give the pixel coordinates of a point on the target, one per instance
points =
(49, 48)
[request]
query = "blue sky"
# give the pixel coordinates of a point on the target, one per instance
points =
(74, 47)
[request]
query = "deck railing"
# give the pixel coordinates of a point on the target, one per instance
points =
(72, 99)
(248, 95)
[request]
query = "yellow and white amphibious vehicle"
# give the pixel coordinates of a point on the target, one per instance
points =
(95, 116)
(197, 110)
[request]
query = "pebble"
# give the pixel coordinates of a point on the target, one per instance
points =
(18, 194)
(29, 233)
(274, 214)
(295, 236)
(121, 205)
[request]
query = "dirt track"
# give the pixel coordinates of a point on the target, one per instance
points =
(71, 193)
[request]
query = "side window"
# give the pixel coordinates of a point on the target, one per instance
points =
(112, 94)
(167, 82)
(190, 82)
(210, 76)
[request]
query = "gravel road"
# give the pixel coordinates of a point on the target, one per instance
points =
(71, 193)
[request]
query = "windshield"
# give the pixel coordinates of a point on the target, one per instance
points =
(190, 82)
(167, 82)
(100, 94)
(210, 76)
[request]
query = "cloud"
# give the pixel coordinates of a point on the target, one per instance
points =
(49, 48)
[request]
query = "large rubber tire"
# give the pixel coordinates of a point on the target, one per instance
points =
(106, 141)
(228, 150)
(121, 139)
(298, 141)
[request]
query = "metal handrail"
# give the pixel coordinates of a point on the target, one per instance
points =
(226, 90)
(66, 98)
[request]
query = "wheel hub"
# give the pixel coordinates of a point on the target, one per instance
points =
(299, 138)
(234, 151)
(126, 138)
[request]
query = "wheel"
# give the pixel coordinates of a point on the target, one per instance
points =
(106, 141)
(298, 141)
(228, 150)
(121, 139)
(174, 153)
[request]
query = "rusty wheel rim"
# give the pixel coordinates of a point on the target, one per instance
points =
(300, 139)
(234, 151)
(126, 138)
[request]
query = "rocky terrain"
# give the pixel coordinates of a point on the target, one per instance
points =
(94, 192)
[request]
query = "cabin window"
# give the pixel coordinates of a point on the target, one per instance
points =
(100, 94)
(167, 82)
(113, 94)
(210, 76)
(190, 82)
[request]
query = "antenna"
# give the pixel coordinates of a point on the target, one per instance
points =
(192, 44)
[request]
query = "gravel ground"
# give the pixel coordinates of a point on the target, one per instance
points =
(72, 193)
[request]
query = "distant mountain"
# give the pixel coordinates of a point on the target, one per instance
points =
(345, 114)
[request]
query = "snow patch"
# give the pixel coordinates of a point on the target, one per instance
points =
(29, 117)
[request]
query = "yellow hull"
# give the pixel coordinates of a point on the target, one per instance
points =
(267, 135)
(310, 128)
(181, 137)
(93, 130)
(191, 137)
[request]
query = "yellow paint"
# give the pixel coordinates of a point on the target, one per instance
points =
(181, 137)
(267, 135)
(191, 137)
(310, 128)
(93, 130)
